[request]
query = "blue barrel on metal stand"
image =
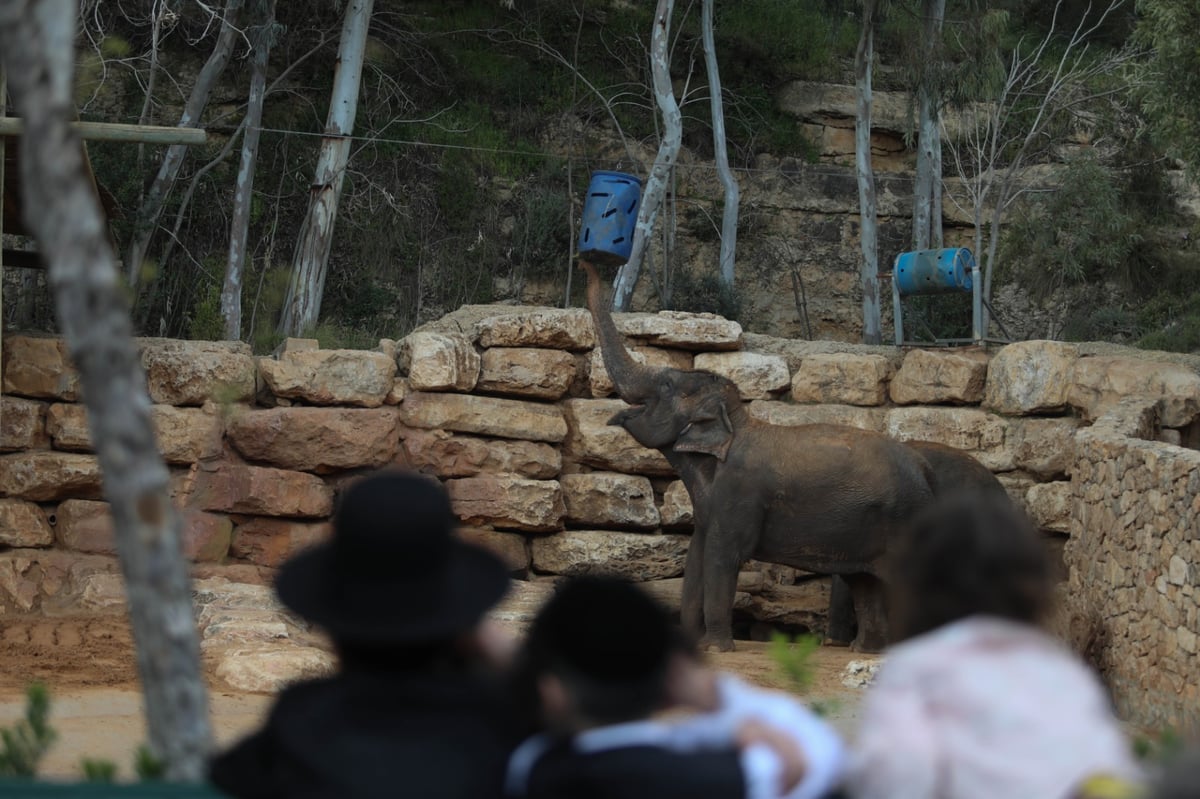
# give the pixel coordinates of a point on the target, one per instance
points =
(933, 271)
(609, 218)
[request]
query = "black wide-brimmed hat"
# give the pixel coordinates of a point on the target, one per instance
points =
(393, 572)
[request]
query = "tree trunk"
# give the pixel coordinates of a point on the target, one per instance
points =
(863, 60)
(61, 207)
(668, 151)
(239, 226)
(156, 197)
(311, 260)
(729, 217)
(929, 164)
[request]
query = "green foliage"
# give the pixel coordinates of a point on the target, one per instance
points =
(98, 770)
(1167, 29)
(542, 237)
(782, 39)
(147, 765)
(705, 294)
(794, 658)
(1171, 323)
(23, 745)
(206, 322)
(1159, 747)
(337, 336)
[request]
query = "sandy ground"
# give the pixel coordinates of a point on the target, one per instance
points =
(96, 704)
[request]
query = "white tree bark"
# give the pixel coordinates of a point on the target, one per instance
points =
(864, 58)
(156, 197)
(310, 262)
(729, 216)
(927, 210)
(239, 226)
(61, 207)
(668, 151)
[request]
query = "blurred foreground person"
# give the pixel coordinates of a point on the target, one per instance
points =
(977, 702)
(415, 708)
(602, 661)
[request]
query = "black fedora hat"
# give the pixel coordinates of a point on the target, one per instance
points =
(393, 571)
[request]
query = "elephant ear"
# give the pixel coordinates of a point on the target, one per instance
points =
(709, 431)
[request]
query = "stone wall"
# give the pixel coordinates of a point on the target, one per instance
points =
(508, 406)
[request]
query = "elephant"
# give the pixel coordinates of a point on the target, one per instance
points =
(825, 498)
(953, 471)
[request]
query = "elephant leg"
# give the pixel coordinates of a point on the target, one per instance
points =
(839, 629)
(867, 591)
(691, 612)
(720, 582)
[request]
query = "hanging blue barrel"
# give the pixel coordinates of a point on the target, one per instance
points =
(609, 218)
(933, 271)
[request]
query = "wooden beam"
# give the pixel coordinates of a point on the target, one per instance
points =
(112, 131)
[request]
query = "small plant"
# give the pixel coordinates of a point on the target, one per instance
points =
(147, 765)
(98, 770)
(794, 658)
(23, 745)
(1160, 747)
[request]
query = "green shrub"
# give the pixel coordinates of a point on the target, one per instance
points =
(23, 745)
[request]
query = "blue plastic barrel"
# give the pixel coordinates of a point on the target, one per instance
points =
(933, 271)
(609, 218)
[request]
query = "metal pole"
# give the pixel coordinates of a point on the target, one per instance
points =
(897, 310)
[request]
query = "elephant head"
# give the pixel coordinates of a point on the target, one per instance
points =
(674, 410)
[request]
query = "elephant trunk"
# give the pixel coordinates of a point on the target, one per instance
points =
(633, 380)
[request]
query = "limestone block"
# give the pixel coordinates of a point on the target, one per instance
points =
(980, 433)
(1178, 571)
(222, 593)
(1049, 505)
(45, 476)
(1099, 383)
(702, 332)
(320, 440)
(595, 442)
(790, 414)
(669, 593)
(18, 581)
(38, 366)
(676, 509)
(330, 377)
(206, 536)
(400, 389)
(848, 378)
(805, 604)
(601, 385)
(22, 424)
(23, 524)
(269, 669)
(608, 499)
(634, 556)
(1045, 447)
(522, 602)
(85, 526)
(1030, 377)
(67, 426)
(446, 455)
(1017, 484)
(439, 361)
(936, 377)
(490, 416)
(507, 502)
(102, 592)
(269, 542)
(563, 329)
(528, 372)
(756, 375)
(186, 435)
(512, 548)
(222, 627)
(258, 490)
(195, 372)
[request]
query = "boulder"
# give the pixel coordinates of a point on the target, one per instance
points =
(527, 372)
(38, 366)
(686, 331)
(805, 604)
(490, 416)
(45, 476)
(756, 375)
(1049, 505)
(522, 602)
(23, 524)
(67, 426)
(330, 377)
(601, 385)
(270, 669)
(507, 502)
(446, 455)
(1099, 383)
(512, 548)
(940, 377)
(791, 414)
(634, 556)
(1029, 377)
(608, 499)
(320, 440)
(676, 508)
(1044, 447)
(87, 526)
(261, 491)
(595, 442)
(439, 361)
(269, 542)
(22, 424)
(848, 378)
(552, 328)
(184, 435)
(980, 433)
(195, 372)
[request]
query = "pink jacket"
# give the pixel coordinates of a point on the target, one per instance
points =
(984, 708)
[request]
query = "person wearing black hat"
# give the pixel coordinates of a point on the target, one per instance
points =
(416, 708)
(601, 661)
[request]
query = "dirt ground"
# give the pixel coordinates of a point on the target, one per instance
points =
(88, 665)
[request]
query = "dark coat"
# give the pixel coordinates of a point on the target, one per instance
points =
(362, 734)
